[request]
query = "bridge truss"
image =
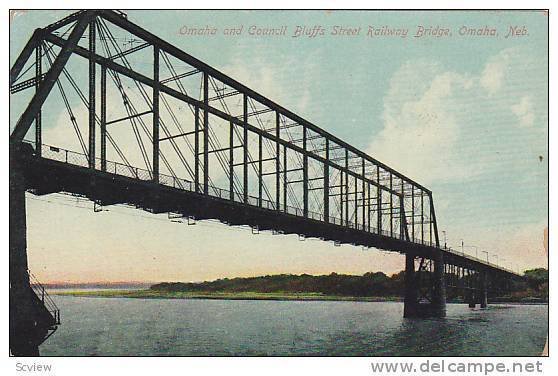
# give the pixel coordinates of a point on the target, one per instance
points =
(153, 112)
(110, 112)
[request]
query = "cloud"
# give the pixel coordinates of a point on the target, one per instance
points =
(492, 76)
(269, 78)
(435, 115)
(524, 111)
(420, 117)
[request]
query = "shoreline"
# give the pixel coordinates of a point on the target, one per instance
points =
(151, 294)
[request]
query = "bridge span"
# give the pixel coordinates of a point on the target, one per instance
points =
(201, 145)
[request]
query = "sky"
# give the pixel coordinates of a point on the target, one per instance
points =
(464, 115)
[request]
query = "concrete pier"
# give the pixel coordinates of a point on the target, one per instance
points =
(483, 291)
(439, 286)
(26, 331)
(413, 306)
(471, 299)
(410, 308)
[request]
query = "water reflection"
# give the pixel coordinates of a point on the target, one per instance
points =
(99, 326)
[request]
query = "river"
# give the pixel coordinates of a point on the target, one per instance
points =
(166, 327)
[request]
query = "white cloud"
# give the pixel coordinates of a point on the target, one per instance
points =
(420, 118)
(429, 110)
(524, 111)
(497, 69)
(269, 77)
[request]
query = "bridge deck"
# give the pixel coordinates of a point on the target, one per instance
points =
(59, 170)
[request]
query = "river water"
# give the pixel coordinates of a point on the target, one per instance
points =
(165, 327)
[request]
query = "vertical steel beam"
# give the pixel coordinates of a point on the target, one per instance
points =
(277, 162)
(260, 168)
(304, 172)
(341, 189)
(363, 195)
(92, 83)
(422, 217)
(379, 201)
(197, 149)
(285, 178)
(205, 134)
(155, 114)
(38, 122)
(103, 118)
(413, 212)
(369, 195)
(326, 182)
(231, 161)
(402, 222)
(355, 208)
(245, 146)
(346, 196)
(391, 205)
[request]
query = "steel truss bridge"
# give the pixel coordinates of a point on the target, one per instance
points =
(146, 124)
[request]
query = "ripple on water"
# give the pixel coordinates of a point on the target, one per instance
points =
(253, 328)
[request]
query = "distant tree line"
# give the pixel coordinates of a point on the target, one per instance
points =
(534, 286)
(369, 284)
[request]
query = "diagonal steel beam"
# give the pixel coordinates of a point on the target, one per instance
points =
(25, 54)
(51, 77)
(433, 215)
(110, 64)
(140, 32)
(64, 21)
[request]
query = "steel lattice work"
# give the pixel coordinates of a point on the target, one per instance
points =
(198, 129)
(146, 124)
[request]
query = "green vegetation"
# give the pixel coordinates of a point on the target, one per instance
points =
(367, 287)
(151, 294)
(533, 289)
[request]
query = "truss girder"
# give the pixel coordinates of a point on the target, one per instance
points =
(365, 194)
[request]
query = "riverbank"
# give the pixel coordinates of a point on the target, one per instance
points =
(153, 294)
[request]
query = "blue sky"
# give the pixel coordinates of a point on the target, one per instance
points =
(464, 115)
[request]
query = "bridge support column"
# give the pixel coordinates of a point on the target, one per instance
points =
(25, 335)
(439, 286)
(433, 305)
(483, 291)
(471, 299)
(411, 305)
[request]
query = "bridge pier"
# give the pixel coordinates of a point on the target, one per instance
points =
(23, 329)
(483, 290)
(415, 304)
(472, 299)
(410, 308)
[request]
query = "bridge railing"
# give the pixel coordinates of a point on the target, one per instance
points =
(45, 298)
(477, 259)
(80, 159)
